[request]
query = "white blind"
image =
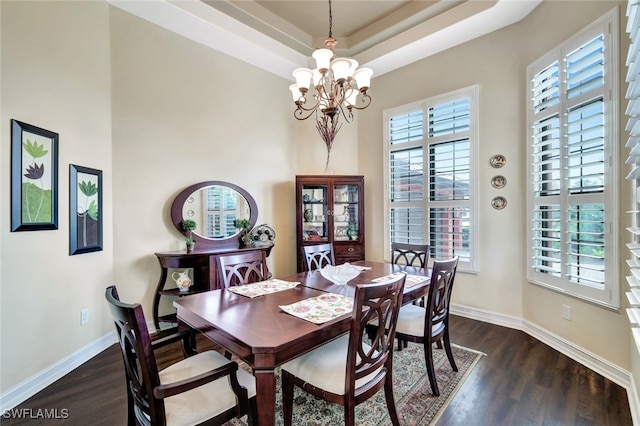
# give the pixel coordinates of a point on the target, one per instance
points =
(407, 224)
(449, 170)
(633, 144)
(406, 127)
(572, 206)
(585, 147)
(546, 88)
(585, 67)
(430, 175)
(546, 157)
(449, 118)
(547, 241)
(406, 175)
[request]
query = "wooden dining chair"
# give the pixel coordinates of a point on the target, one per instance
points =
(242, 268)
(430, 324)
(318, 256)
(410, 254)
(203, 387)
(348, 371)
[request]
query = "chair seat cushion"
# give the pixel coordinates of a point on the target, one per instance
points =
(411, 321)
(204, 402)
(325, 367)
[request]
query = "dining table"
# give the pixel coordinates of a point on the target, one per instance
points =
(257, 330)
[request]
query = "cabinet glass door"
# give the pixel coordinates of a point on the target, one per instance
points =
(315, 214)
(346, 211)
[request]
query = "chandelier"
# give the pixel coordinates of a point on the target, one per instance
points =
(337, 87)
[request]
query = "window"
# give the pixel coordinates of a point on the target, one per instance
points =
(221, 212)
(572, 132)
(430, 175)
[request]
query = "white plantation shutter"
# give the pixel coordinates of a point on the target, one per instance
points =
(585, 68)
(546, 92)
(406, 127)
(572, 121)
(407, 224)
(633, 146)
(406, 175)
(430, 176)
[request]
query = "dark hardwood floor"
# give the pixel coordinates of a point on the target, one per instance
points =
(521, 381)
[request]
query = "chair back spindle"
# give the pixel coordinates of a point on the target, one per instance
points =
(410, 254)
(242, 268)
(318, 256)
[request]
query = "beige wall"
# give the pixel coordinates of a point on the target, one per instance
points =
(184, 113)
(157, 113)
(55, 75)
(497, 62)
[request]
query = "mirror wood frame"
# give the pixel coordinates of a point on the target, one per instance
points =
(210, 243)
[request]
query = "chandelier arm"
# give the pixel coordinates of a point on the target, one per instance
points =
(347, 117)
(302, 113)
(366, 101)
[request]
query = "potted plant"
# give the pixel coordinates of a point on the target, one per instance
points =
(188, 225)
(243, 225)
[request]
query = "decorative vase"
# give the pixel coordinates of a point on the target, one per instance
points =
(245, 240)
(308, 215)
(183, 282)
(352, 233)
(191, 246)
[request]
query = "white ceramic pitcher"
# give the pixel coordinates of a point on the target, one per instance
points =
(183, 282)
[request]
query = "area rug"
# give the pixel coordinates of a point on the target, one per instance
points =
(414, 401)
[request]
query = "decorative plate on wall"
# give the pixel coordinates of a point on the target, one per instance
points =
(497, 161)
(499, 203)
(498, 182)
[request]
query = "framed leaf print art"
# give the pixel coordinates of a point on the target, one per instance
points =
(85, 209)
(34, 178)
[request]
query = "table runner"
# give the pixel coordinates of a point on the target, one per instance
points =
(320, 309)
(263, 287)
(409, 281)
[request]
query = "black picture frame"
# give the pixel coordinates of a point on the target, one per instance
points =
(34, 178)
(85, 209)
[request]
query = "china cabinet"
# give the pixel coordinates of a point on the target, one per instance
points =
(330, 208)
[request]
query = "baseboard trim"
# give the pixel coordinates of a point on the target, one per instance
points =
(590, 360)
(634, 401)
(25, 390)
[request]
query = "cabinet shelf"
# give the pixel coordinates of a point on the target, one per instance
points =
(168, 318)
(177, 292)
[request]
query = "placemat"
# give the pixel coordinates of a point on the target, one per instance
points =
(263, 287)
(409, 281)
(320, 309)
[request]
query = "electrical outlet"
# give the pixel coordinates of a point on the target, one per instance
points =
(84, 316)
(566, 312)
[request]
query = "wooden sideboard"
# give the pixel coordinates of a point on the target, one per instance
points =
(205, 277)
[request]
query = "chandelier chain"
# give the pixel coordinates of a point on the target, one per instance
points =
(330, 21)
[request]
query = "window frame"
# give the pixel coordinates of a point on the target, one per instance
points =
(609, 296)
(471, 92)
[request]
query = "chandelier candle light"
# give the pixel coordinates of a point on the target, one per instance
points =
(337, 82)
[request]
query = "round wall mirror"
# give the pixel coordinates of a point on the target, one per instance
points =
(214, 205)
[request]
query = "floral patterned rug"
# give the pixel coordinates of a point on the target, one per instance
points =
(414, 401)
